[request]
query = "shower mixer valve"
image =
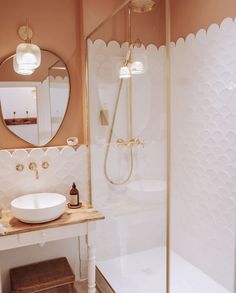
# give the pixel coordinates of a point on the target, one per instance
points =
(131, 142)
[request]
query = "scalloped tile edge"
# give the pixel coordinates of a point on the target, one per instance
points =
(197, 35)
(43, 151)
(114, 43)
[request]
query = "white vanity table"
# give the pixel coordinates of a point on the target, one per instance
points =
(73, 223)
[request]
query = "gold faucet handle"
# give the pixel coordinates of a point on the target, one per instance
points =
(137, 141)
(20, 167)
(45, 165)
(32, 166)
(121, 142)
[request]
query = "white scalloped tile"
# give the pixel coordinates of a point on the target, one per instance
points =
(65, 167)
(20, 154)
(204, 150)
(201, 35)
(227, 26)
(37, 153)
(5, 155)
(212, 31)
(53, 152)
(113, 45)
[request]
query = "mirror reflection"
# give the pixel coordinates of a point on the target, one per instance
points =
(33, 106)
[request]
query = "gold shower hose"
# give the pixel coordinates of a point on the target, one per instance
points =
(111, 134)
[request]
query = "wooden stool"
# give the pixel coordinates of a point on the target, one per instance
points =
(52, 276)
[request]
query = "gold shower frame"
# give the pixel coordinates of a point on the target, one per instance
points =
(168, 123)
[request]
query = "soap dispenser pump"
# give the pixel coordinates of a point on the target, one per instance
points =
(74, 196)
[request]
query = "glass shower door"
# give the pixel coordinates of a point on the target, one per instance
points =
(127, 98)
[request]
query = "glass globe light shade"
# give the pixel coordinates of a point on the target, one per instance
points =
(28, 55)
(125, 72)
(22, 69)
(137, 67)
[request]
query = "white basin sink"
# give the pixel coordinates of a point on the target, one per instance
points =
(38, 207)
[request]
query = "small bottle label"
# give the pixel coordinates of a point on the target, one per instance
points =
(74, 199)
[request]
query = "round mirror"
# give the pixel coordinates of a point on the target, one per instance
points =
(33, 106)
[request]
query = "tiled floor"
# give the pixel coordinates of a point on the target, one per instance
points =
(145, 272)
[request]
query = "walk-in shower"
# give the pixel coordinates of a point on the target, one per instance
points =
(162, 160)
(126, 70)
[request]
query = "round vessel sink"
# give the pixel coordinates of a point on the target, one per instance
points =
(38, 207)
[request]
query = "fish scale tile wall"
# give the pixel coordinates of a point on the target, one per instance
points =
(66, 165)
(204, 149)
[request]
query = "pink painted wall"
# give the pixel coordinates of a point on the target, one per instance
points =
(95, 11)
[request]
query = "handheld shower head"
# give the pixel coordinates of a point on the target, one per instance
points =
(142, 6)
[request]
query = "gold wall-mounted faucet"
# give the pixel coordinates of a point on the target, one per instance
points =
(33, 167)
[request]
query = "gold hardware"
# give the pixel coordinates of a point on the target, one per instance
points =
(20, 167)
(45, 165)
(25, 33)
(142, 6)
(104, 117)
(131, 142)
(137, 44)
(33, 167)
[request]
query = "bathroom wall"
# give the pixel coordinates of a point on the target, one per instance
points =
(134, 208)
(66, 165)
(95, 12)
(203, 150)
(188, 16)
(56, 26)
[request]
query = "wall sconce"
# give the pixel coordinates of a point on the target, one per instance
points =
(131, 67)
(28, 55)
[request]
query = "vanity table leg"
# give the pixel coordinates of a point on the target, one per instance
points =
(0, 279)
(91, 257)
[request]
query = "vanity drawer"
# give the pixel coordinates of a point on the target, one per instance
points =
(52, 234)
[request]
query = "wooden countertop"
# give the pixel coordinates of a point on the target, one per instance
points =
(71, 216)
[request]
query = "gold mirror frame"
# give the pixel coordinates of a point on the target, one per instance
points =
(66, 110)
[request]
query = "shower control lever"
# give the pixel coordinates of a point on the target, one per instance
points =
(131, 142)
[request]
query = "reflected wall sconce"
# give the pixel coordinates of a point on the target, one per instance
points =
(28, 55)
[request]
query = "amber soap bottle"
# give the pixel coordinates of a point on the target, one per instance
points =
(74, 196)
